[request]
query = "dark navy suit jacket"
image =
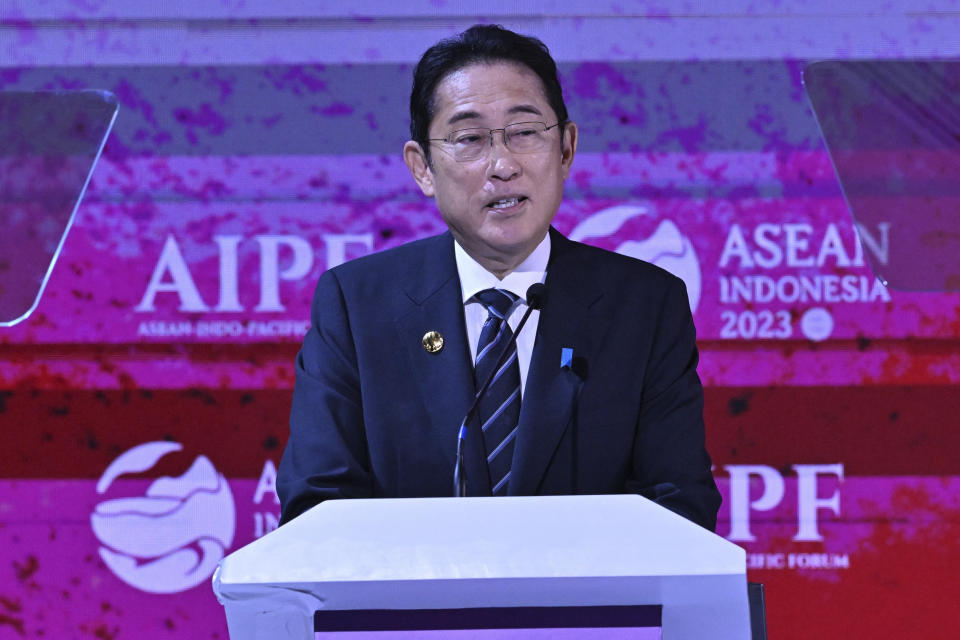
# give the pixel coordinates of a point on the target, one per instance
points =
(376, 415)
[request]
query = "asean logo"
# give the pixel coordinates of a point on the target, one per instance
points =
(171, 538)
(664, 246)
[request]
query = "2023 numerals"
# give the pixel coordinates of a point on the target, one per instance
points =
(750, 325)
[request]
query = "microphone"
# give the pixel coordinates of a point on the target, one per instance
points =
(536, 298)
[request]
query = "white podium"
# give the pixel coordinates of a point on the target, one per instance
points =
(471, 553)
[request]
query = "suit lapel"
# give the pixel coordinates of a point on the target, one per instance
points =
(445, 379)
(549, 392)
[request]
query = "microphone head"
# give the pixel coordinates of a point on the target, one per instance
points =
(537, 295)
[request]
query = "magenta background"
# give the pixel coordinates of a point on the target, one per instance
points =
(234, 120)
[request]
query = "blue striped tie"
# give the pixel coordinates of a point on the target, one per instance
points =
(499, 409)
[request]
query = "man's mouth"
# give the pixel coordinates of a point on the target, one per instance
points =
(506, 203)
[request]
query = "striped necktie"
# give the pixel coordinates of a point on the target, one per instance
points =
(499, 409)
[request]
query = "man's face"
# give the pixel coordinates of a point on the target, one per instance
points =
(500, 205)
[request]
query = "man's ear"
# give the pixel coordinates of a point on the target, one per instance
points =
(569, 148)
(419, 168)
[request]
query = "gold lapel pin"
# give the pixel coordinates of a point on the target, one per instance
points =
(432, 342)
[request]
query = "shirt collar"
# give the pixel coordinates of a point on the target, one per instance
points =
(474, 278)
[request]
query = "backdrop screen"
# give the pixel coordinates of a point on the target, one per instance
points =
(144, 401)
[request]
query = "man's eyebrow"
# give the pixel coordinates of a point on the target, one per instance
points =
(463, 115)
(525, 108)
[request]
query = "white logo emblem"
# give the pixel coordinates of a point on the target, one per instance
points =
(666, 247)
(172, 538)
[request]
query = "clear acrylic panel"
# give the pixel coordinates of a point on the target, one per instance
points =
(49, 144)
(892, 129)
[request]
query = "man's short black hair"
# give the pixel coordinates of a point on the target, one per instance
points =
(479, 44)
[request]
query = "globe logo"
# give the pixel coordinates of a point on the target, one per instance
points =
(172, 538)
(666, 247)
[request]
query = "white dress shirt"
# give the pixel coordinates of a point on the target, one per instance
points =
(474, 278)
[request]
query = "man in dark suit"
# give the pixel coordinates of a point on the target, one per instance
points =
(600, 393)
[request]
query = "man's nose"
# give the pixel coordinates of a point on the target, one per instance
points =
(503, 163)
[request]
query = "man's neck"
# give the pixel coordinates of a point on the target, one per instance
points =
(502, 265)
(475, 276)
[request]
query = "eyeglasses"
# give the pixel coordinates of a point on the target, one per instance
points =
(519, 137)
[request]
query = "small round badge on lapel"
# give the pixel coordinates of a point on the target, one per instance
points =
(432, 342)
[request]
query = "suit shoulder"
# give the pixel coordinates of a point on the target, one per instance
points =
(612, 266)
(391, 262)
